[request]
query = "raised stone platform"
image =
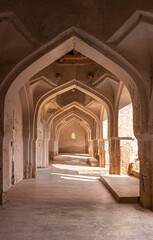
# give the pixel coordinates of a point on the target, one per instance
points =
(125, 189)
(93, 170)
(92, 162)
(135, 173)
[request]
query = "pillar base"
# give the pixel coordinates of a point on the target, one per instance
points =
(3, 198)
(145, 203)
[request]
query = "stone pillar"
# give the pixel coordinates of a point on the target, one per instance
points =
(120, 152)
(39, 155)
(33, 157)
(93, 148)
(26, 157)
(90, 147)
(114, 146)
(51, 150)
(30, 158)
(3, 198)
(145, 151)
(55, 148)
(101, 153)
(3, 194)
(45, 161)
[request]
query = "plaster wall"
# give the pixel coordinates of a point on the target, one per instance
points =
(17, 144)
(77, 145)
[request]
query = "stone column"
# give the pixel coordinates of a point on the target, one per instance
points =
(26, 157)
(90, 148)
(93, 148)
(55, 148)
(39, 155)
(33, 157)
(145, 151)
(101, 153)
(120, 152)
(114, 146)
(45, 161)
(3, 194)
(3, 198)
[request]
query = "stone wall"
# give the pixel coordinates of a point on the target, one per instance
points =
(125, 154)
(126, 121)
(69, 145)
(17, 144)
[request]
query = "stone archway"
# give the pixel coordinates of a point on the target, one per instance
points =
(94, 49)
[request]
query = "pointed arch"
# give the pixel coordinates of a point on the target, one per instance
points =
(89, 46)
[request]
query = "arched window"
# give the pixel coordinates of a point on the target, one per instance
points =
(73, 136)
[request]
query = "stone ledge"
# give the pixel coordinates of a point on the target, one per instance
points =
(93, 162)
(94, 170)
(135, 173)
(125, 189)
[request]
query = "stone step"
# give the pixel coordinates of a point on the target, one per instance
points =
(92, 161)
(125, 189)
(135, 173)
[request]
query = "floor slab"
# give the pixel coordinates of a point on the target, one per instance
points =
(125, 189)
(92, 162)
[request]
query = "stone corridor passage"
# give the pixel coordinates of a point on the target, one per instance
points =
(61, 204)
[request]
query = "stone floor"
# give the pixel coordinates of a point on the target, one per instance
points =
(61, 205)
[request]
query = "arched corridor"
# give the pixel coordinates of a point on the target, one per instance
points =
(57, 109)
(76, 112)
(95, 108)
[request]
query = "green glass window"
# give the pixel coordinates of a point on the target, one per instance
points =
(73, 136)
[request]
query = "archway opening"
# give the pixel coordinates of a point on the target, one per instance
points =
(128, 142)
(39, 87)
(73, 139)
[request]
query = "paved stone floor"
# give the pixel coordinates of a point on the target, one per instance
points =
(62, 205)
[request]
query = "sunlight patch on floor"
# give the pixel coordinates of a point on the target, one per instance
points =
(75, 156)
(76, 176)
(76, 179)
(77, 167)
